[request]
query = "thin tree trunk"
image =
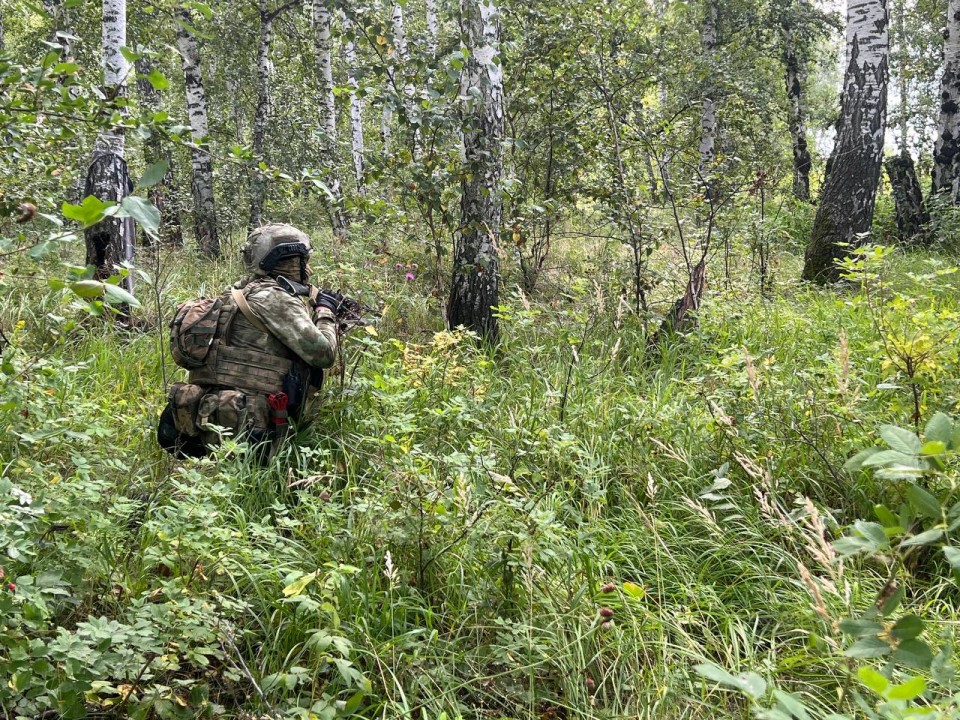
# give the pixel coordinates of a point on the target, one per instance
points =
(849, 193)
(794, 75)
(204, 206)
(356, 107)
(708, 110)
(111, 242)
(258, 189)
(322, 20)
(946, 154)
(3, 37)
(170, 231)
(474, 292)
(663, 96)
(907, 196)
(63, 25)
(433, 28)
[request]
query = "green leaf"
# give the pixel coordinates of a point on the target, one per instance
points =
(900, 439)
(157, 79)
(933, 447)
(914, 653)
(153, 174)
(869, 647)
(856, 462)
(87, 288)
(939, 428)
(116, 295)
(891, 604)
(908, 690)
(886, 517)
(859, 627)
(908, 627)
(716, 673)
(872, 532)
(143, 211)
(889, 457)
(924, 502)
(298, 586)
(88, 213)
(924, 538)
(752, 684)
(791, 704)
(953, 556)
(873, 680)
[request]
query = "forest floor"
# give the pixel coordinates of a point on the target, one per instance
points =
(449, 536)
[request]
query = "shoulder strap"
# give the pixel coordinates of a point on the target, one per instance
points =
(241, 300)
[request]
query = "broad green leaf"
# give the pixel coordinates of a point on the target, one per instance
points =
(88, 213)
(939, 429)
(889, 457)
(298, 586)
(852, 544)
(953, 556)
(791, 704)
(143, 211)
(900, 439)
(924, 538)
(153, 174)
(752, 684)
(873, 680)
(908, 690)
(157, 79)
(716, 673)
(87, 288)
(868, 647)
(886, 517)
(933, 447)
(908, 627)
(924, 502)
(891, 604)
(914, 653)
(116, 295)
(859, 627)
(872, 532)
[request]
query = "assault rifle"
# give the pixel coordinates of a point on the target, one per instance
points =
(349, 311)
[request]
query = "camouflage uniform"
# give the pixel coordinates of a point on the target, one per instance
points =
(265, 341)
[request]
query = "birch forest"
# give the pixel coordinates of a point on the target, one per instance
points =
(649, 401)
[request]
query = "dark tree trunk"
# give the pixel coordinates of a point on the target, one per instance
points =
(912, 216)
(946, 154)
(475, 288)
(110, 242)
(171, 233)
(794, 75)
(849, 193)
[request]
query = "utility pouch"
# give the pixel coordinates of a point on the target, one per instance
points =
(192, 331)
(184, 399)
(226, 408)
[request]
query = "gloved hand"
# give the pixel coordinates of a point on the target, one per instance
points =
(329, 300)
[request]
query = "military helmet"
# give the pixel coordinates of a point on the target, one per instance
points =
(270, 244)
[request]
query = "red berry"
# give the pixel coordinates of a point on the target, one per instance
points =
(606, 613)
(13, 588)
(608, 588)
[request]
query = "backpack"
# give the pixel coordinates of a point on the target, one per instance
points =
(193, 330)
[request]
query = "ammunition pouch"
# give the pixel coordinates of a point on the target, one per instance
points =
(234, 410)
(184, 401)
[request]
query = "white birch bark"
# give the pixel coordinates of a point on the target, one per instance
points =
(946, 154)
(708, 110)
(475, 287)
(111, 241)
(3, 37)
(356, 107)
(258, 188)
(63, 31)
(204, 206)
(849, 192)
(433, 28)
(323, 49)
(663, 97)
(398, 59)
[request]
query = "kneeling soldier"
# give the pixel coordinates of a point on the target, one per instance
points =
(255, 354)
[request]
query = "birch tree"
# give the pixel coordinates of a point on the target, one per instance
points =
(946, 163)
(433, 28)
(795, 77)
(204, 206)
(356, 106)
(258, 190)
(474, 292)
(850, 189)
(110, 242)
(399, 57)
(323, 47)
(708, 109)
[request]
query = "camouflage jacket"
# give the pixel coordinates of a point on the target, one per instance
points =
(289, 321)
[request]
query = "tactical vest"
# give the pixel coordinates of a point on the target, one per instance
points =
(234, 362)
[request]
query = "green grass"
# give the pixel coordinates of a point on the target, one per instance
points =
(507, 488)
